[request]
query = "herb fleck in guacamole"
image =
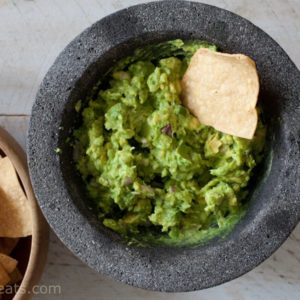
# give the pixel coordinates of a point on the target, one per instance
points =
(152, 171)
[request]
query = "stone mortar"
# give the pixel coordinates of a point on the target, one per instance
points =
(274, 204)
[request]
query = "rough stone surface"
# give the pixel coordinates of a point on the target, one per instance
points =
(275, 201)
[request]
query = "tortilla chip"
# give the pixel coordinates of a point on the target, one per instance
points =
(7, 245)
(15, 276)
(221, 90)
(4, 278)
(8, 263)
(15, 214)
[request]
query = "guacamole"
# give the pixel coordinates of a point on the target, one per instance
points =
(151, 170)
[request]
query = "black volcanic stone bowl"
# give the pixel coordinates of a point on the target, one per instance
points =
(274, 208)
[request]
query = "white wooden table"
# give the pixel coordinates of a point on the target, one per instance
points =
(32, 33)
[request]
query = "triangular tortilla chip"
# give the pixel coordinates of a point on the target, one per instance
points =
(221, 90)
(8, 263)
(4, 278)
(15, 276)
(7, 245)
(15, 214)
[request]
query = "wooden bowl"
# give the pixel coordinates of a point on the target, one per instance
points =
(31, 252)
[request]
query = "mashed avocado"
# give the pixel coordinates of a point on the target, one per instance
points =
(152, 171)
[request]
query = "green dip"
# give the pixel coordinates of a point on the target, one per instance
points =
(152, 171)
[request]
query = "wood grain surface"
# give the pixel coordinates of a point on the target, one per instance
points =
(32, 33)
